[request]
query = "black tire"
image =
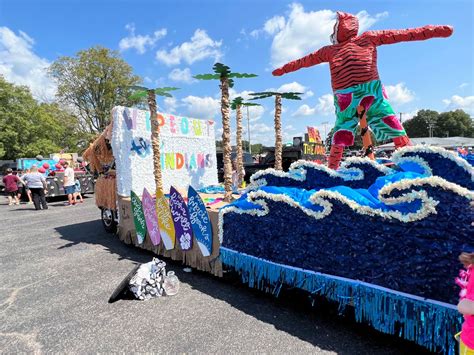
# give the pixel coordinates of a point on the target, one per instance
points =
(108, 220)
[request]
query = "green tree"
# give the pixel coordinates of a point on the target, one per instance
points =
(454, 124)
(28, 128)
(92, 83)
(419, 125)
(226, 77)
(257, 148)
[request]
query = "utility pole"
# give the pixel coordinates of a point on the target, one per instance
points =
(431, 126)
(248, 129)
(325, 129)
(401, 119)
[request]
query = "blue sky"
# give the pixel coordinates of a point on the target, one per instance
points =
(168, 41)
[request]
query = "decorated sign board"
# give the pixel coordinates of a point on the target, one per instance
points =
(187, 148)
(313, 146)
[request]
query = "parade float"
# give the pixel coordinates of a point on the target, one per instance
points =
(173, 222)
(381, 241)
(53, 171)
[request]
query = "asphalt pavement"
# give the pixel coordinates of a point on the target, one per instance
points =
(58, 268)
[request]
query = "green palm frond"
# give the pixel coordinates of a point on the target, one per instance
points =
(164, 91)
(207, 76)
(137, 88)
(141, 92)
(291, 95)
(138, 95)
(236, 102)
(250, 104)
(284, 95)
(221, 69)
(241, 75)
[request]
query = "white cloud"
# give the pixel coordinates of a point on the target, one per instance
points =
(409, 115)
(275, 24)
(261, 128)
(200, 47)
(324, 107)
(458, 102)
(255, 112)
(399, 94)
(304, 110)
(182, 75)
(170, 104)
(304, 32)
(21, 66)
(243, 94)
(140, 42)
(307, 94)
(270, 27)
(463, 85)
(366, 21)
(255, 33)
(292, 87)
(202, 107)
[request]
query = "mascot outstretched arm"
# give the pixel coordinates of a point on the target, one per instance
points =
(355, 79)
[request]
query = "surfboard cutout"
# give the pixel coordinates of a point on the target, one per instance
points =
(149, 210)
(138, 217)
(182, 225)
(200, 222)
(165, 221)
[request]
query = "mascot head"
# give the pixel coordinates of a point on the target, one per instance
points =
(345, 28)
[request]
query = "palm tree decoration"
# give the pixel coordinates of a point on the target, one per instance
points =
(222, 72)
(236, 105)
(278, 138)
(141, 92)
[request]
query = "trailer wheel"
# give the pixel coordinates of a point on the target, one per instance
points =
(108, 220)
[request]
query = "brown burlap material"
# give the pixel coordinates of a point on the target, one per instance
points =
(192, 258)
(99, 152)
(105, 191)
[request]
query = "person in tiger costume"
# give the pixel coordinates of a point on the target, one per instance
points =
(355, 80)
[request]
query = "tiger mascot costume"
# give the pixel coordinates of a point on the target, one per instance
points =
(355, 80)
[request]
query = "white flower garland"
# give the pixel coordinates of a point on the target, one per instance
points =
(301, 164)
(298, 172)
(438, 150)
(428, 204)
(358, 160)
(434, 181)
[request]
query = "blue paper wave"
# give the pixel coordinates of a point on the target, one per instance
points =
(403, 231)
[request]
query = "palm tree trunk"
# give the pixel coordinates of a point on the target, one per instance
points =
(240, 165)
(225, 111)
(278, 139)
(155, 140)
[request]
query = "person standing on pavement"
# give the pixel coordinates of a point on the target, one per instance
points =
(77, 192)
(11, 187)
(37, 185)
(69, 184)
(25, 187)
